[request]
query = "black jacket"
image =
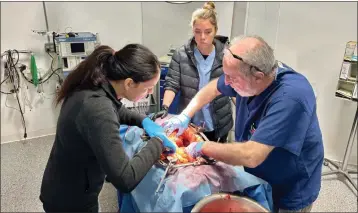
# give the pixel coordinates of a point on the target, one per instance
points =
(87, 147)
(183, 76)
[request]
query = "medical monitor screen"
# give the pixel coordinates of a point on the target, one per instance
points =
(77, 47)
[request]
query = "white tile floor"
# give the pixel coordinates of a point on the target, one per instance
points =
(22, 166)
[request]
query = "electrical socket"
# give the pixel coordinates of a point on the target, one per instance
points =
(49, 47)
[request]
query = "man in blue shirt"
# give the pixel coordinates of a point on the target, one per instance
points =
(276, 127)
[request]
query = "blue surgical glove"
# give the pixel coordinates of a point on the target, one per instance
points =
(155, 130)
(194, 149)
(179, 122)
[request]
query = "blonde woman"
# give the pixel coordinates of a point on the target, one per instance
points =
(193, 65)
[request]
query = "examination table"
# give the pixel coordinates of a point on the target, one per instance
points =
(187, 186)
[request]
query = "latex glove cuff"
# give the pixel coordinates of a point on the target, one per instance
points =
(184, 118)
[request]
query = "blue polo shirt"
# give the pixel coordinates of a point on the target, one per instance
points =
(283, 116)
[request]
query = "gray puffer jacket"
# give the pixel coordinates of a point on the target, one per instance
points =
(183, 76)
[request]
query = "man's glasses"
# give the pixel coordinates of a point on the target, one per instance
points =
(227, 50)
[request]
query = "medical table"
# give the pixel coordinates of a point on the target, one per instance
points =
(186, 186)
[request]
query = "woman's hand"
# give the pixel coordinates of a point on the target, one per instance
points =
(155, 130)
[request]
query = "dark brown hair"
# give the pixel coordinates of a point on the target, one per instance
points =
(133, 61)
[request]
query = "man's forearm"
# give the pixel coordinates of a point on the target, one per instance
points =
(249, 154)
(230, 153)
(203, 97)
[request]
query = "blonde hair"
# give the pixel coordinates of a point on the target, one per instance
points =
(206, 12)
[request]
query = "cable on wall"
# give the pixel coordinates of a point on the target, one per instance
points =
(13, 76)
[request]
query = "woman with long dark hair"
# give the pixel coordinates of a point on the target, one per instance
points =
(87, 144)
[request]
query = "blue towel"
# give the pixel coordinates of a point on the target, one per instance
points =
(185, 187)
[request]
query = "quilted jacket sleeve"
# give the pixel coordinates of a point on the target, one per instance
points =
(172, 80)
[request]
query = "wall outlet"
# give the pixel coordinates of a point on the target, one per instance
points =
(49, 47)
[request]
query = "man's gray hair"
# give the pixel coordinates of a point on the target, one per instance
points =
(262, 56)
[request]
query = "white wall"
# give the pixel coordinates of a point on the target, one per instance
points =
(170, 25)
(262, 19)
(312, 41)
(16, 34)
(118, 23)
(238, 19)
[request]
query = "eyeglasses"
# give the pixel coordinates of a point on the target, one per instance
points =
(227, 50)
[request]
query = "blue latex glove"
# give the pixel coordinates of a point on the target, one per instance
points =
(155, 130)
(179, 122)
(194, 149)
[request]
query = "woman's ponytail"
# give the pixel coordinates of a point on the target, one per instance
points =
(133, 61)
(88, 74)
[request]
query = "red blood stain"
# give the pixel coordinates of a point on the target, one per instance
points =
(224, 205)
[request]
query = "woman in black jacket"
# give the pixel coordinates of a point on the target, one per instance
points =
(87, 144)
(192, 67)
